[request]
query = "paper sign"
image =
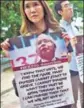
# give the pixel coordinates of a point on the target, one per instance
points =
(41, 71)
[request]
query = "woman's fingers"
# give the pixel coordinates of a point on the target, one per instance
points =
(65, 36)
(5, 45)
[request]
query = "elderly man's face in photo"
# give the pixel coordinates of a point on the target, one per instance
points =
(45, 47)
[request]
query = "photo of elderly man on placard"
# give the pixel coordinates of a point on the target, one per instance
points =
(45, 48)
(37, 49)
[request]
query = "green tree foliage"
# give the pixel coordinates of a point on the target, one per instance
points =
(11, 18)
(78, 7)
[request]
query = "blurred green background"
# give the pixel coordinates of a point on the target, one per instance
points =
(11, 18)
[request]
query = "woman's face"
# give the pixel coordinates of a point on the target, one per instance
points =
(34, 11)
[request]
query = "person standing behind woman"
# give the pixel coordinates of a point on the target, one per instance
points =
(37, 18)
(65, 9)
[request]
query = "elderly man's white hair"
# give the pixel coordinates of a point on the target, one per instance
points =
(45, 36)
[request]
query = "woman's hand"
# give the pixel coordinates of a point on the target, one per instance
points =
(5, 47)
(65, 36)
